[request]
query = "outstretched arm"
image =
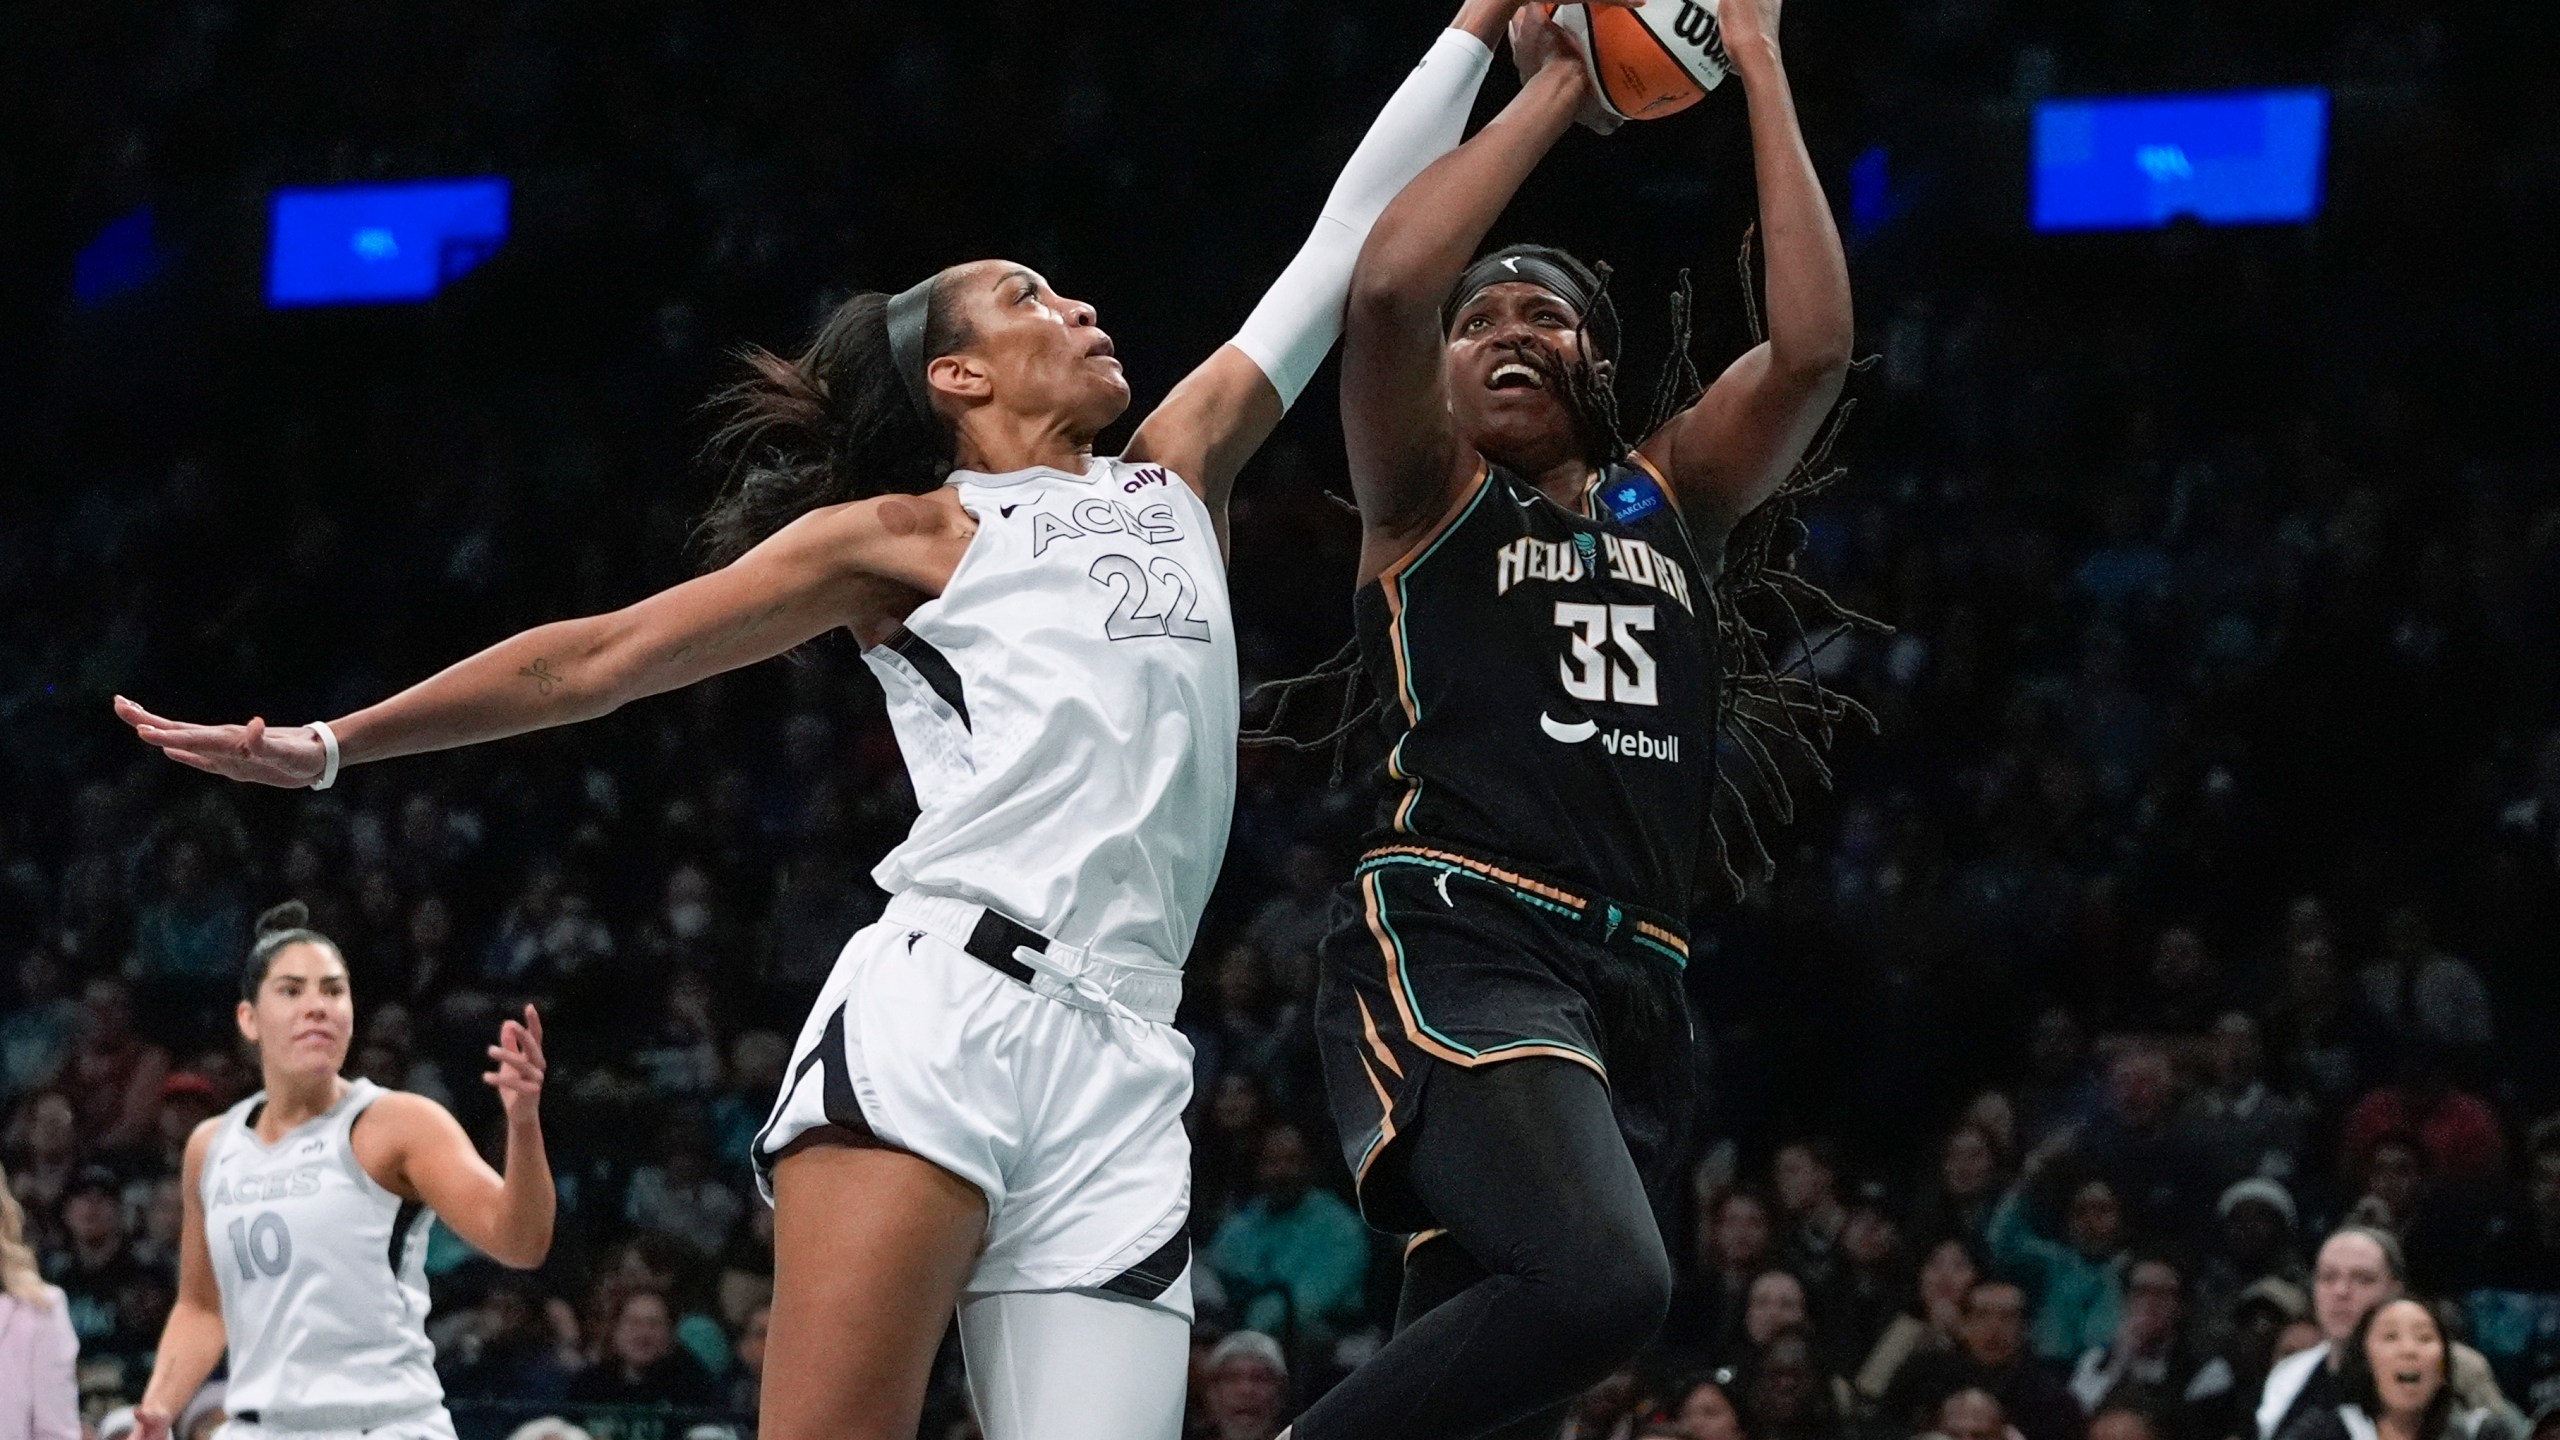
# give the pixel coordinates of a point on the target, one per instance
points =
(1221, 413)
(423, 1154)
(843, 565)
(1395, 412)
(1735, 447)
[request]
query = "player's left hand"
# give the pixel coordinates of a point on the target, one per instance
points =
(518, 1078)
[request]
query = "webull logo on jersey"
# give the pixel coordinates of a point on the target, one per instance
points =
(1624, 744)
(274, 1185)
(1564, 562)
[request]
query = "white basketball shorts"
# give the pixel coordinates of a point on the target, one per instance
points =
(1068, 1118)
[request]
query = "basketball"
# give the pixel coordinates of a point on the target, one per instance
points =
(1649, 62)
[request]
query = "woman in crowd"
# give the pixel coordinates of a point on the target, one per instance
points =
(39, 1356)
(2395, 1382)
(1929, 1326)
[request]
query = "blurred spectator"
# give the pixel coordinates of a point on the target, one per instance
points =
(1992, 1356)
(1248, 1387)
(37, 1031)
(1737, 1241)
(186, 1101)
(1793, 1397)
(746, 1388)
(2149, 1357)
(679, 1198)
(2183, 992)
(1971, 1414)
(1294, 1258)
(2459, 1133)
(2254, 1130)
(2254, 1243)
(2078, 1280)
(2060, 1093)
(2515, 1317)
(756, 1062)
(39, 1353)
(1931, 1323)
(2419, 993)
(2438, 1232)
(115, 1074)
(638, 1361)
(44, 1138)
(1226, 1145)
(1872, 1283)
(92, 1267)
(1704, 1410)
(1806, 1180)
(516, 1346)
(1968, 1184)
(187, 936)
(2161, 1170)
(2356, 1269)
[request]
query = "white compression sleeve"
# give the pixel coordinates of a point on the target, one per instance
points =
(1075, 1365)
(1301, 314)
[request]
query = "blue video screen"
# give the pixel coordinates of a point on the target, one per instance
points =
(2244, 157)
(381, 244)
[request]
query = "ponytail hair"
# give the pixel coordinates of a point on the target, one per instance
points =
(286, 925)
(837, 422)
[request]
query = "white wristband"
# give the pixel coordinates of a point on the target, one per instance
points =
(329, 752)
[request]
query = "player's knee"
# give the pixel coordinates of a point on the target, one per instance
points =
(1611, 1301)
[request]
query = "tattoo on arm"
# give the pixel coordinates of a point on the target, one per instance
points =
(544, 677)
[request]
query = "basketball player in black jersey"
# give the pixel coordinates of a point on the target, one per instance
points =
(1506, 1039)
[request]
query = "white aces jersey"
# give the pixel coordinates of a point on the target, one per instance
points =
(323, 1274)
(1068, 710)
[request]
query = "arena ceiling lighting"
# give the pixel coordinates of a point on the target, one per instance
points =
(2239, 157)
(381, 244)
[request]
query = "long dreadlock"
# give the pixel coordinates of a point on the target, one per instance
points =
(1772, 711)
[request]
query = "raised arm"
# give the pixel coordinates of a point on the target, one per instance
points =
(1214, 421)
(429, 1159)
(1735, 447)
(192, 1339)
(1404, 452)
(846, 565)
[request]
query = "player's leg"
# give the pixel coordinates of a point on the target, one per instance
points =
(1075, 1365)
(870, 1248)
(1524, 1165)
(1437, 1269)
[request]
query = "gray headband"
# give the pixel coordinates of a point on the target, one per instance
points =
(908, 310)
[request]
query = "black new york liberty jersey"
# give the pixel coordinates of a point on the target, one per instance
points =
(1550, 681)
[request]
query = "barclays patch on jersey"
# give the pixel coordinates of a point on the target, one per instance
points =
(1631, 498)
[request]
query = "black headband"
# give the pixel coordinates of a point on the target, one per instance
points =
(1547, 275)
(906, 320)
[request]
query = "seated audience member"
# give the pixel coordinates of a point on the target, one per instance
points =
(1736, 1241)
(2358, 1269)
(1295, 1258)
(1971, 1414)
(518, 1346)
(1704, 1409)
(2149, 1358)
(639, 1361)
(1991, 1355)
(2395, 1382)
(1792, 1397)
(2253, 1241)
(1806, 1178)
(1870, 1286)
(2078, 1280)
(1966, 1186)
(1248, 1387)
(1931, 1323)
(2119, 1421)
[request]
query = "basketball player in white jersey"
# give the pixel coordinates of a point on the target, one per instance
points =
(303, 1251)
(984, 1108)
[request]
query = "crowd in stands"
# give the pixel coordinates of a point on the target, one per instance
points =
(2193, 903)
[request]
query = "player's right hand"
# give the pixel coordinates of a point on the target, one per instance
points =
(290, 759)
(151, 1423)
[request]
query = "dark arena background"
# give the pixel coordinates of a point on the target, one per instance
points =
(2212, 835)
